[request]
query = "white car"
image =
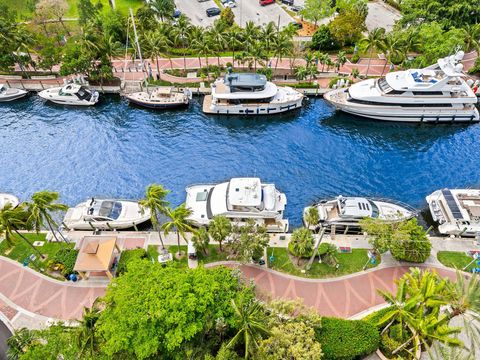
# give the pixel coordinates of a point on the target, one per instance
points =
(230, 4)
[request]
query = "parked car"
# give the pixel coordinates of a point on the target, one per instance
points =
(214, 11)
(202, 0)
(230, 4)
(177, 13)
(225, 1)
(287, 2)
(296, 8)
(297, 25)
(266, 2)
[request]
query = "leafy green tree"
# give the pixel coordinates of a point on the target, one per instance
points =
(87, 337)
(300, 72)
(301, 243)
(43, 204)
(347, 27)
(87, 11)
(219, 229)
(250, 324)
(201, 239)
(323, 39)
(267, 35)
(154, 310)
(163, 8)
(155, 202)
(328, 254)
(227, 17)
(178, 222)
(293, 340)
(315, 10)
(248, 241)
(374, 41)
(49, 54)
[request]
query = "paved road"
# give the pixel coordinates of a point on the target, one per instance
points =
(381, 15)
(4, 335)
(195, 10)
(250, 10)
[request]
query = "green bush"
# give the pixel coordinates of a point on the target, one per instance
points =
(355, 58)
(129, 255)
(67, 257)
(322, 39)
(347, 339)
(268, 72)
(476, 68)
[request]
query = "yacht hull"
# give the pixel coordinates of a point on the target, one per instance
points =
(250, 109)
(403, 114)
(18, 94)
(157, 106)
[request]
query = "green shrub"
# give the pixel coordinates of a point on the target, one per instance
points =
(67, 257)
(129, 255)
(476, 68)
(322, 39)
(347, 339)
(355, 58)
(268, 72)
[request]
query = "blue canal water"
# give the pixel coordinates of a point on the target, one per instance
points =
(114, 149)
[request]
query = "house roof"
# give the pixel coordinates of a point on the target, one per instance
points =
(95, 253)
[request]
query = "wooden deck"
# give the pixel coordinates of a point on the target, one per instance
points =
(207, 101)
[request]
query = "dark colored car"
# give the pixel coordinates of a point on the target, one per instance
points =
(214, 11)
(287, 2)
(177, 13)
(296, 8)
(266, 2)
(297, 25)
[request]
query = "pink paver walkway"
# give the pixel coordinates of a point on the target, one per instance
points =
(41, 295)
(343, 297)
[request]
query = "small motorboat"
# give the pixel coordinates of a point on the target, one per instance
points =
(10, 94)
(8, 199)
(106, 214)
(161, 98)
(346, 212)
(71, 94)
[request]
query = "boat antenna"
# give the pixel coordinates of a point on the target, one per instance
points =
(138, 47)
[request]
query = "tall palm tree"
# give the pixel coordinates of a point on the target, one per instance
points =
(258, 54)
(281, 46)
(203, 46)
(155, 202)
(87, 332)
(179, 222)
(312, 217)
(110, 47)
(323, 59)
(472, 37)
(181, 31)
(373, 42)
(302, 243)
(340, 60)
(267, 35)
(392, 48)
(251, 324)
(232, 39)
(40, 208)
(154, 44)
(220, 227)
(163, 8)
(250, 34)
(216, 35)
(12, 219)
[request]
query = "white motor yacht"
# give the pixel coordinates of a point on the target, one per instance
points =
(70, 94)
(8, 199)
(435, 94)
(457, 211)
(343, 212)
(239, 199)
(106, 214)
(250, 94)
(10, 94)
(161, 98)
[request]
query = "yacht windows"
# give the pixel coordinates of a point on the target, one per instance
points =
(110, 209)
(202, 196)
(365, 102)
(429, 93)
(83, 94)
(375, 211)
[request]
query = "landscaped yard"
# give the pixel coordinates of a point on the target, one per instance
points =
(22, 251)
(456, 259)
(348, 264)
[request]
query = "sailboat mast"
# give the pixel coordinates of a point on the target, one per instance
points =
(136, 41)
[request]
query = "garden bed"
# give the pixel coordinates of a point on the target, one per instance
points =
(456, 259)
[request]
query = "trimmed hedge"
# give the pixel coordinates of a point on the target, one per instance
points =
(127, 256)
(347, 339)
(67, 257)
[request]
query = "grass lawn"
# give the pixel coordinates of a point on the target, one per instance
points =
(349, 263)
(213, 255)
(21, 250)
(455, 259)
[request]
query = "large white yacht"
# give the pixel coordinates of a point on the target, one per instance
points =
(250, 94)
(457, 211)
(343, 212)
(437, 93)
(106, 214)
(70, 94)
(239, 199)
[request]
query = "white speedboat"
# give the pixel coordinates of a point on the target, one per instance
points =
(10, 94)
(343, 212)
(457, 211)
(106, 214)
(70, 94)
(239, 199)
(435, 94)
(8, 199)
(161, 98)
(250, 94)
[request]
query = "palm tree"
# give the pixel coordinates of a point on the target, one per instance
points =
(472, 37)
(155, 202)
(300, 72)
(179, 222)
(373, 42)
(302, 243)
(268, 34)
(281, 46)
(251, 324)
(110, 47)
(258, 54)
(312, 216)
(341, 59)
(220, 227)
(40, 209)
(163, 8)
(392, 50)
(323, 59)
(180, 32)
(217, 37)
(204, 47)
(154, 44)
(87, 331)
(464, 295)
(201, 239)
(11, 220)
(250, 34)
(232, 39)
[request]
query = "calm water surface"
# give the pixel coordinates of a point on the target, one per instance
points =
(114, 149)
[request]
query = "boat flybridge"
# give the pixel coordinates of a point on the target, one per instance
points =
(161, 98)
(8, 199)
(437, 93)
(250, 94)
(346, 212)
(457, 211)
(239, 199)
(10, 94)
(106, 214)
(70, 94)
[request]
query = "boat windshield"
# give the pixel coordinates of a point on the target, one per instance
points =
(375, 211)
(83, 94)
(110, 209)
